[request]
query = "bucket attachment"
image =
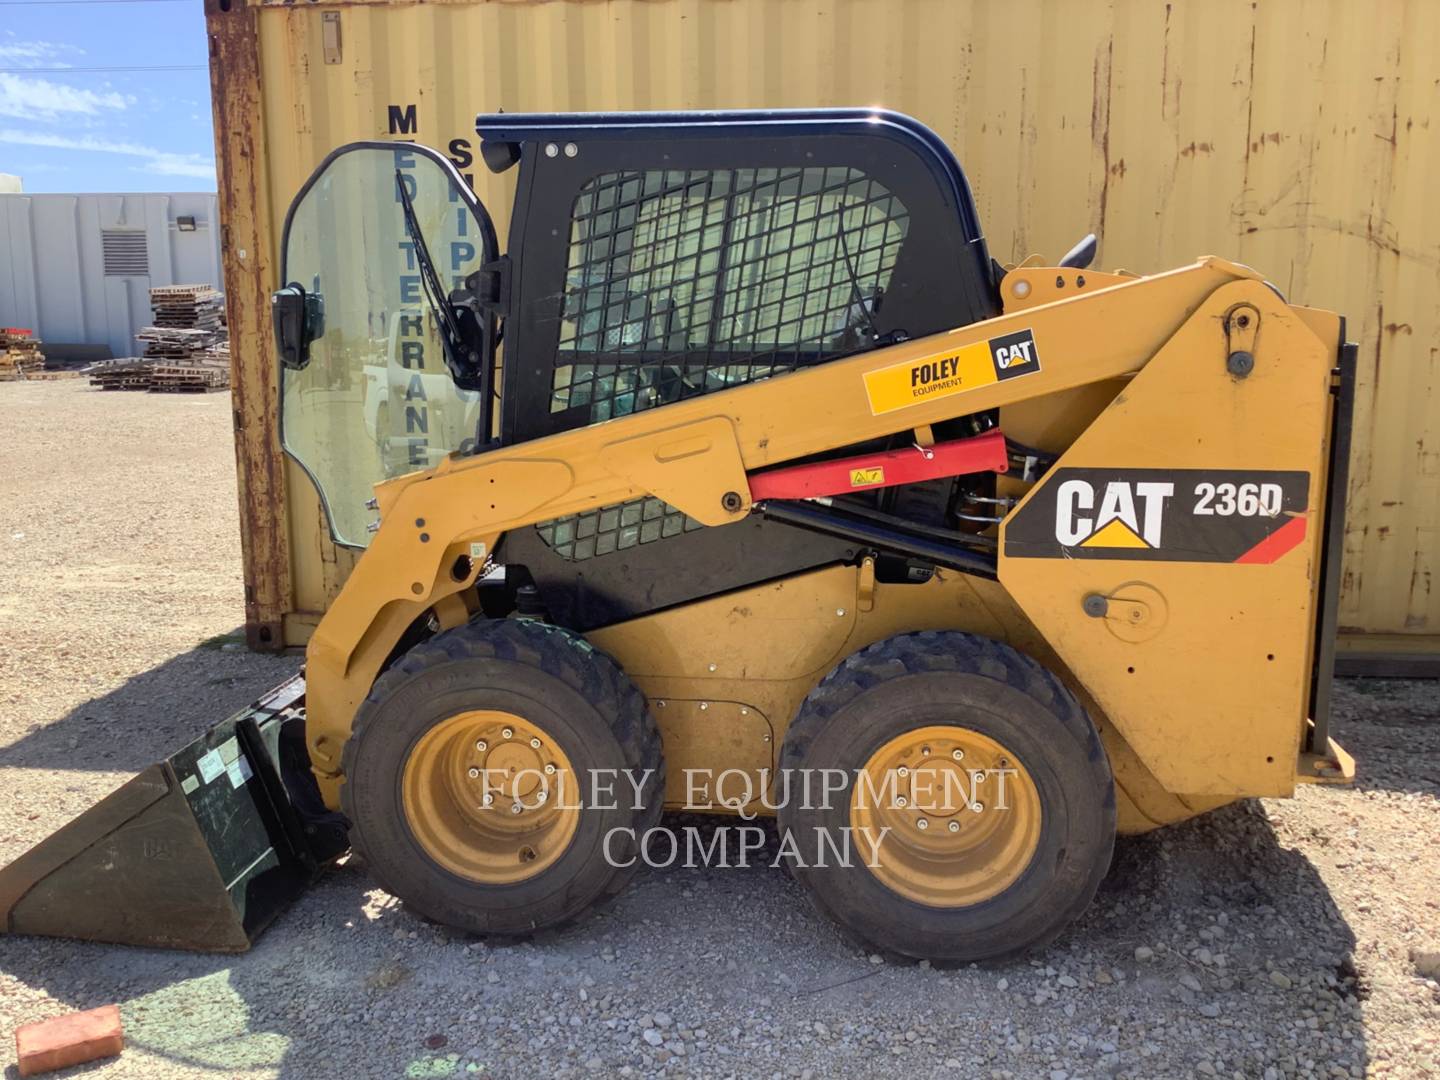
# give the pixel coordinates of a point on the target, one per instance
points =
(200, 851)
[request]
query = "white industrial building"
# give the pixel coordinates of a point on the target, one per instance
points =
(78, 269)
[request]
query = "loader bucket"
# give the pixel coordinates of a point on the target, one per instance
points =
(200, 851)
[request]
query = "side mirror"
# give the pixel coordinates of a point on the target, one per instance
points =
(298, 318)
(1082, 254)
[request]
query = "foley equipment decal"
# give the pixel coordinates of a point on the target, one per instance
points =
(981, 363)
(1172, 515)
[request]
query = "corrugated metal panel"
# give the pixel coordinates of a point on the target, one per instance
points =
(1294, 135)
(77, 269)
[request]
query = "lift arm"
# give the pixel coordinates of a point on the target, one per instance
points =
(437, 526)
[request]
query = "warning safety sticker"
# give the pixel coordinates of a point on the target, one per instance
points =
(981, 363)
(1174, 515)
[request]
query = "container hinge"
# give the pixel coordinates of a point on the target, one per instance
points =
(330, 36)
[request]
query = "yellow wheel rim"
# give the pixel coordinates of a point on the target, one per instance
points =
(963, 816)
(490, 797)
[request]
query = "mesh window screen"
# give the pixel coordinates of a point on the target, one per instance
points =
(685, 282)
(614, 528)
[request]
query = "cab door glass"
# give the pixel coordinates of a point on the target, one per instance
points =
(374, 399)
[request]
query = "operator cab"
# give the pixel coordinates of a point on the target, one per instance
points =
(652, 257)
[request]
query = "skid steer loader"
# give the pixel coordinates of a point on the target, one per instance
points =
(782, 477)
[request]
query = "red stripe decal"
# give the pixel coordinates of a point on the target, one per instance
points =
(982, 453)
(1277, 543)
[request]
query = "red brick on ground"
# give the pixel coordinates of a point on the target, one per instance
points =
(69, 1040)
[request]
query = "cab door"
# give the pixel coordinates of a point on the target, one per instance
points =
(386, 341)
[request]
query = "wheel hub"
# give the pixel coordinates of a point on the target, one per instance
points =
(490, 796)
(963, 816)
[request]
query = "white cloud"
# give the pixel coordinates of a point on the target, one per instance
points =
(36, 53)
(164, 162)
(29, 98)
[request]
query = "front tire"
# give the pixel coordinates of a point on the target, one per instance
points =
(468, 777)
(948, 882)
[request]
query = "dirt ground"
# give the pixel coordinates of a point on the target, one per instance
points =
(1271, 939)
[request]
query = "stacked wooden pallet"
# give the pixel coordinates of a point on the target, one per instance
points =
(190, 307)
(185, 350)
(186, 322)
(197, 375)
(175, 343)
(130, 373)
(188, 378)
(20, 355)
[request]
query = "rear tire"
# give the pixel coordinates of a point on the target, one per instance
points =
(922, 697)
(415, 809)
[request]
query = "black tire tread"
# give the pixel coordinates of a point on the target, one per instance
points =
(555, 651)
(957, 652)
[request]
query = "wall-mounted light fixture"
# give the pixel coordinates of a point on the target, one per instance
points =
(186, 223)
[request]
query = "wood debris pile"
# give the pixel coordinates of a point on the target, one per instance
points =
(186, 350)
(20, 355)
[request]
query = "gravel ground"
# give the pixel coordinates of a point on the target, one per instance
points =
(1270, 939)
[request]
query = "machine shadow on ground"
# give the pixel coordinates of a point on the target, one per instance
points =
(154, 713)
(1397, 720)
(731, 937)
(363, 957)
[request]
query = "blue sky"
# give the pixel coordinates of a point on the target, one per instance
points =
(67, 127)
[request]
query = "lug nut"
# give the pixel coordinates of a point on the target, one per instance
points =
(903, 771)
(482, 746)
(549, 770)
(924, 751)
(515, 808)
(901, 801)
(535, 744)
(977, 807)
(922, 824)
(474, 774)
(487, 800)
(958, 755)
(508, 733)
(954, 826)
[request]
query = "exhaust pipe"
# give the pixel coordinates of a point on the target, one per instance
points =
(200, 851)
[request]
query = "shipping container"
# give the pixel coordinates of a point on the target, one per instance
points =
(1293, 135)
(78, 269)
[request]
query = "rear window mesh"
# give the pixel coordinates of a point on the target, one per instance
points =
(684, 282)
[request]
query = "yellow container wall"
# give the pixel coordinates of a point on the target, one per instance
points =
(1294, 135)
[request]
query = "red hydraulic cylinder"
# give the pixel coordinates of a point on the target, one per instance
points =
(983, 453)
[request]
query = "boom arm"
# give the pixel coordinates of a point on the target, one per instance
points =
(438, 525)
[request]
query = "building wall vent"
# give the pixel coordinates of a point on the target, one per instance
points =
(126, 253)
